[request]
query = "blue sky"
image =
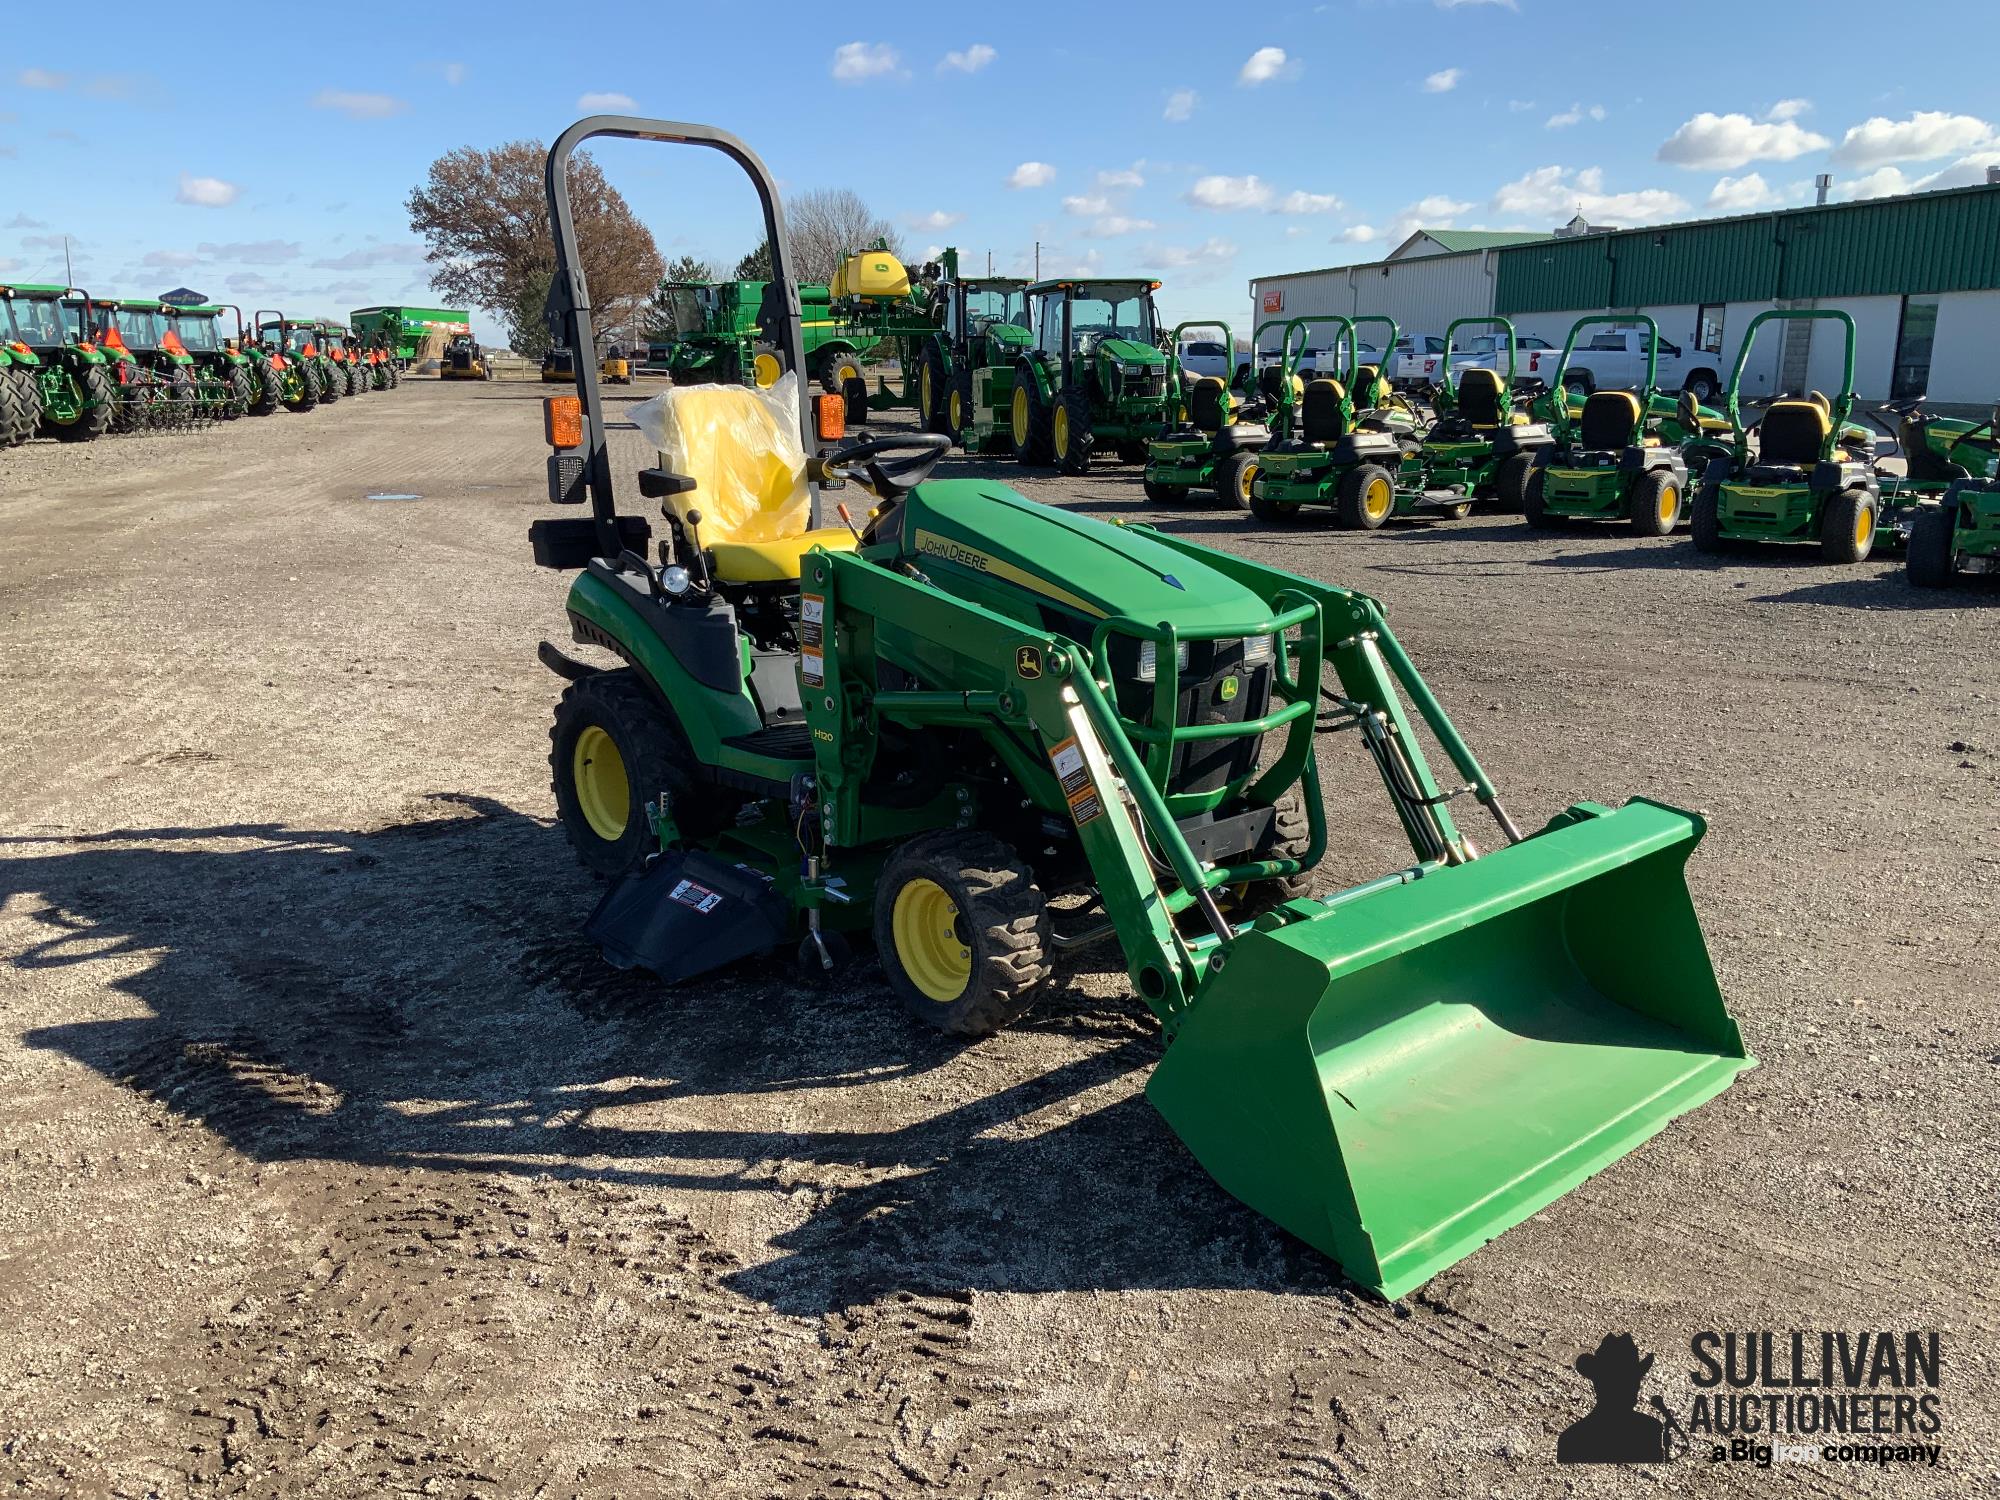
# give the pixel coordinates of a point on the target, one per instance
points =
(1198, 143)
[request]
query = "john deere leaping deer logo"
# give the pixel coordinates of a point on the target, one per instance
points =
(1615, 1431)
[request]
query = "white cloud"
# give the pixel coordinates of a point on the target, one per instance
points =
(250, 281)
(1925, 136)
(1788, 109)
(1967, 171)
(1228, 193)
(1112, 225)
(1576, 114)
(1126, 179)
(934, 221)
(1519, 106)
(1883, 182)
(1555, 193)
(206, 192)
(8, 265)
(41, 78)
(1209, 253)
(250, 252)
(1726, 141)
(1085, 205)
(408, 253)
(1307, 203)
(359, 106)
(1265, 64)
(22, 221)
(173, 260)
(857, 62)
(1443, 81)
(1358, 234)
(1031, 174)
(606, 104)
(971, 60)
(1742, 195)
(1180, 105)
(455, 73)
(1434, 212)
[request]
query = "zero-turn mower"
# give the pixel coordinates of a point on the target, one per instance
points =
(1608, 463)
(1214, 447)
(924, 725)
(1479, 446)
(1813, 478)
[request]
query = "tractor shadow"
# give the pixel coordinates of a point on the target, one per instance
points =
(419, 998)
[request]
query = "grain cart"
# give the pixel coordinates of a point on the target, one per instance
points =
(922, 729)
(1813, 478)
(1096, 376)
(227, 384)
(1332, 458)
(1216, 443)
(402, 332)
(965, 366)
(76, 395)
(298, 375)
(1479, 447)
(1607, 464)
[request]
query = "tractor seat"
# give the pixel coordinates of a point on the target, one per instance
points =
(1792, 432)
(1321, 418)
(1609, 420)
(1209, 405)
(775, 562)
(1479, 400)
(1370, 389)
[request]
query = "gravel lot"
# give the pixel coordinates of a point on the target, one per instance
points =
(334, 1163)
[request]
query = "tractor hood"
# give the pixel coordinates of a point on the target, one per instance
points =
(984, 542)
(1130, 352)
(1012, 334)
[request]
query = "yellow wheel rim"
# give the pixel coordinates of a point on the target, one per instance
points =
(925, 926)
(846, 371)
(603, 794)
(1246, 480)
(957, 408)
(1864, 526)
(924, 389)
(1020, 417)
(1377, 498)
(1670, 505)
(765, 370)
(1062, 432)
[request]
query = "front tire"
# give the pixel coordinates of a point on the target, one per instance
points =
(237, 402)
(963, 931)
(1072, 438)
(270, 391)
(1847, 527)
(1655, 503)
(1706, 522)
(1235, 479)
(1510, 484)
(1030, 422)
(100, 398)
(1929, 563)
(16, 419)
(1366, 497)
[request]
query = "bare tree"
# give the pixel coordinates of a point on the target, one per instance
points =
(485, 218)
(826, 224)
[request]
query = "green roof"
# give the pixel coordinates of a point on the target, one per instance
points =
(1484, 239)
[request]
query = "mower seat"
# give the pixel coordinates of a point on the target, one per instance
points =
(1321, 417)
(1609, 420)
(1792, 433)
(1479, 399)
(1209, 405)
(1371, 391)
(775, 562)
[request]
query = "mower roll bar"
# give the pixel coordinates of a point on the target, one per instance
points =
(569, 294)
(1614, 320)
(1444, 371)
(1843, 405)
(1301, 323)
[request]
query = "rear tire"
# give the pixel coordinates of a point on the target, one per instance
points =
(987, 966)
(1706, 522)
(1235, 478)
(934, 393)
(610, 734)
(94, 381)
(1534, 504)
(1366, 497)
(270, 391)
(1655, 503)
(1928, 562)
(1510, 484)
(14, 422)
(1847, 527)
(1072, 439)
(1030, 422)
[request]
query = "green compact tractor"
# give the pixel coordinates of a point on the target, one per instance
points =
(1608, 463)
(1813, 478)
(717, 335)
(1353, 459)
(965, 369)
(298, 340)
(75, 394)
(1479, 446)
(282, 348)
(1216, 443)
(227, 383)
(1095, 377)
(984, 731)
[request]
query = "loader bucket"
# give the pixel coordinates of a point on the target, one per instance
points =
(1399, 1077)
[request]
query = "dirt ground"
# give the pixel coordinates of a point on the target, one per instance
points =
(333, 1162)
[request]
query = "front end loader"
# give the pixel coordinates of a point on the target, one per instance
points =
(1480, 445)
(1609, 463)
(75, 395)
(922, 727)
(1813, 477)
(1334, 456)
(1096, 378)
(1215, 445)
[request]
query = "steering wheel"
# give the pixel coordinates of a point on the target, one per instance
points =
(885, 477)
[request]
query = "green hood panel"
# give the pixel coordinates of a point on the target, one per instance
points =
(985, 542)
(1131, 352)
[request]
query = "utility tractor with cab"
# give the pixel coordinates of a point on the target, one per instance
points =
(47, 332)
(985, 732)
(1332, 456)
(297, 376)
(965, 366)
(1608, 462)
(1215, 446)
(338, 344)
(1096, 377)
(298, 339)
(154, 375)
(227, 384)
(1479, 445)
(1813, 476)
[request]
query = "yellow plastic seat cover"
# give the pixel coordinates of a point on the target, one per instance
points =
(777, 561)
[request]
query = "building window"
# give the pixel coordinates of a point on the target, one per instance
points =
(1912, 375)
(1708, 327)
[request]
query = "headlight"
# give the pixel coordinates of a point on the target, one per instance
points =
(675, 579)
(1149, 659)
(1132, 367)
(1256, 650)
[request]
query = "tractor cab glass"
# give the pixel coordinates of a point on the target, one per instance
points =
(139, 327)
(986, 306)
(36, 322)
(1109, 312)
(197, 332)
(75, 323)
(684, 305)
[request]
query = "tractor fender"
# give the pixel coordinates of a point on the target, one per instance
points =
(1035, 369)
(26, 358)
(74, 356)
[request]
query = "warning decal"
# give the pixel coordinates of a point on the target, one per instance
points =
(700, 897)
(812, 665)
(812, 619)
(1067, 758)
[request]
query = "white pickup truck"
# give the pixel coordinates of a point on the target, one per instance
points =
(1615, 359)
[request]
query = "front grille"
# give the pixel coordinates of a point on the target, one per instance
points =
(1201, 765)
